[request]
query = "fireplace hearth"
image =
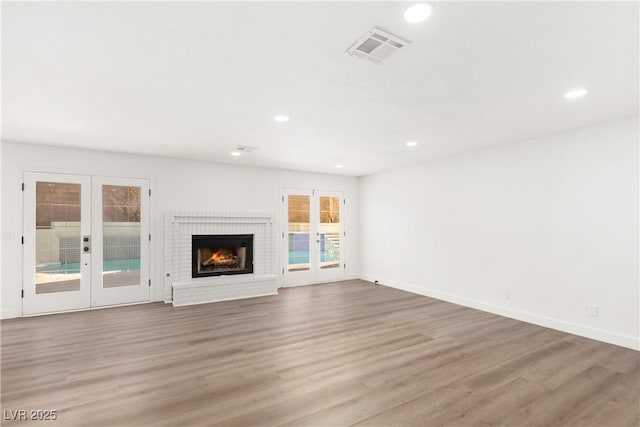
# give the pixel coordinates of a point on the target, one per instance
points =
(221, 255)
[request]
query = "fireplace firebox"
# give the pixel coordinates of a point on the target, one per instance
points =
(221, 255)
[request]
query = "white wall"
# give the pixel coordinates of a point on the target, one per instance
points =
(535, 230)
(176, 186)
(2, 233)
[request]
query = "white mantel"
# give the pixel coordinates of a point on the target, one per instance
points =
(182, 289)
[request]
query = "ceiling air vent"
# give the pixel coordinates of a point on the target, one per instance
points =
(244, 148)
(376, 46)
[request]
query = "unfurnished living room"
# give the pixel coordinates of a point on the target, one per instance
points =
(312, 213)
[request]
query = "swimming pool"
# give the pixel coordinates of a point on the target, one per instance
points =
(74, 267)
(302, 257)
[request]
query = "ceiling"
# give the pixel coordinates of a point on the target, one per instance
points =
(194, 79)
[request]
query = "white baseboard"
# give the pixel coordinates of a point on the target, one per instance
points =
(8, 314)
(316, 282)
(536, 319)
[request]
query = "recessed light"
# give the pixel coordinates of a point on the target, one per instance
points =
(236, 153)
(575, 93)
(418, 13)
(281, 119)
(411, 143)
(339, 166)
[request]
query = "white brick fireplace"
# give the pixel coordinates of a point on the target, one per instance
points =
(182, 289)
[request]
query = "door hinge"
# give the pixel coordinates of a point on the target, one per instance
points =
(345, 234)
(22, 293)
(149, 192)
(345, 266)
(283, 234)
(23, 186)
(22, 240)
(283, 271)
(344, 201)
(149, 282)
(149, 237)
(283, 198)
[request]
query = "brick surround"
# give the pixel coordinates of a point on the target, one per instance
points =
(181, 289)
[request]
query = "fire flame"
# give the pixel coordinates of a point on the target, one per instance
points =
(221, 256)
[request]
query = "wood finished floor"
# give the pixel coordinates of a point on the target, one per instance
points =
(325, 355)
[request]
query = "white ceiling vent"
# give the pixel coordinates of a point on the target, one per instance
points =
(244, 148)
(376, 46)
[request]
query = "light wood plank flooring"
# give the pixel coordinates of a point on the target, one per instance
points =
(335, 354)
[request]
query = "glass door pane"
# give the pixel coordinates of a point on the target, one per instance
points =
(314, 249)
(299, 229)
(57, 237)
(120, 217)
(330, 232)
(56, 270)
(121, 207)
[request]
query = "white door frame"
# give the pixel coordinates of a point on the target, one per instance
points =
(33, 303)
(101, 296)
(315, 274)
(335, 273)
(91, 293)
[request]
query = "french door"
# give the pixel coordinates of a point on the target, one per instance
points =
(314, 237)
(86, 242)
